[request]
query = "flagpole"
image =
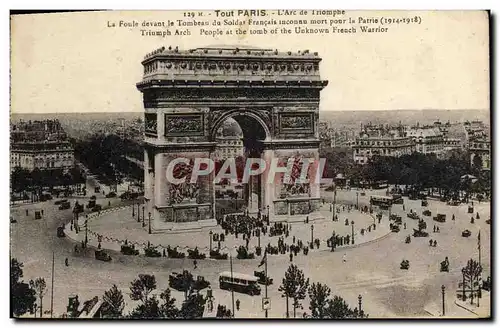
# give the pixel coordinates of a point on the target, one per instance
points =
(52, 292)
(265, 269)
(479, 245)
(232, 289)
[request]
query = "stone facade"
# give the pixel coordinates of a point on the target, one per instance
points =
(187, 95)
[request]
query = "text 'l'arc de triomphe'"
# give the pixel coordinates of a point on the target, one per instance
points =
(274, 97)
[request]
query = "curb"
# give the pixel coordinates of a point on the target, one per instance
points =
(463, 307)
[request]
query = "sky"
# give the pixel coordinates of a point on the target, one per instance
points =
(74, 62)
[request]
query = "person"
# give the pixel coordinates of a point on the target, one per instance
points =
(195, 264)
(453, 217)
(437, 229)
(404, 225)
(435, 243)
(291, 256)
(237, 305)
(344, 258)
(430, 242)
(66, 262)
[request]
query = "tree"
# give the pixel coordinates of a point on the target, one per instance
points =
(150, 309)
(113, 303)
(168, 308)
(319, 294)
(22, 297)
(40, 288)
(140, 290)
(193, 306)
(472, 272)
(294, 286)
(339, 309)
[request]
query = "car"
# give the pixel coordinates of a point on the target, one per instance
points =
(60, 201)
(413, 216)
(12, 220)
(466, 233)
(405, 265)
(488, 221)
(424, 203)
(102, 256)
(111, 195)
(65, 206)
(427, 213)
(96, 208)
(440, 218)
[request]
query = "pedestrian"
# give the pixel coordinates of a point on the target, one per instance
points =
(291, 257)
(430, 242)
(453, 217)
(404, 225)
(66, 262)
(434, 228)
(237, 305)
(435, 243)
(344, 258)
(403, 207)
(195, 264)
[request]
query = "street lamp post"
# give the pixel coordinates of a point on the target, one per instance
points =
(352, 226)
(138, 213)
(312, 234)
(442, 294)
(463, 284)
(268, 212)
(357, 200)
(210, 234)
(86, 233)
(143, 224)
(149, 215)
(133, 210)
(360, 298)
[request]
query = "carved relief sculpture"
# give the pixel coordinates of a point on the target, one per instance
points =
(184, 124)
(184, 192)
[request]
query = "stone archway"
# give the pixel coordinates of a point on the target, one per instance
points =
(274, 97)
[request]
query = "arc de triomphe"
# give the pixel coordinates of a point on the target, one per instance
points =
(187, 95)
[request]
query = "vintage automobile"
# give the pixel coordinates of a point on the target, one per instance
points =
(453, 202)
(424, 203)
(151, 252)
(195, 254)
(177, 282)
(129, 250)
(65, 206)
(112, 194)
(102, 256)
(91, 203)
(12, 220)
(60, 201)
(405, 265)
(440, 218)
(466, 233)
(216, 254)
(60, 232)
(427, 213)
(413, 215)
(488, 221)
(470, 209)
(263, 280)
(38, 215)
(394, 227)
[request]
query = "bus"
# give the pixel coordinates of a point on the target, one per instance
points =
(239, 282)
(383, 201)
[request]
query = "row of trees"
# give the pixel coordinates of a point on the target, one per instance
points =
(104, 156)
(36, 180)
(419, 170)
(296, 286)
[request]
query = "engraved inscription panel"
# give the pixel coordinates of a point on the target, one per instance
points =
(290, 123)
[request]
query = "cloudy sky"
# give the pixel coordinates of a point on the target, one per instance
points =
(73, 62)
